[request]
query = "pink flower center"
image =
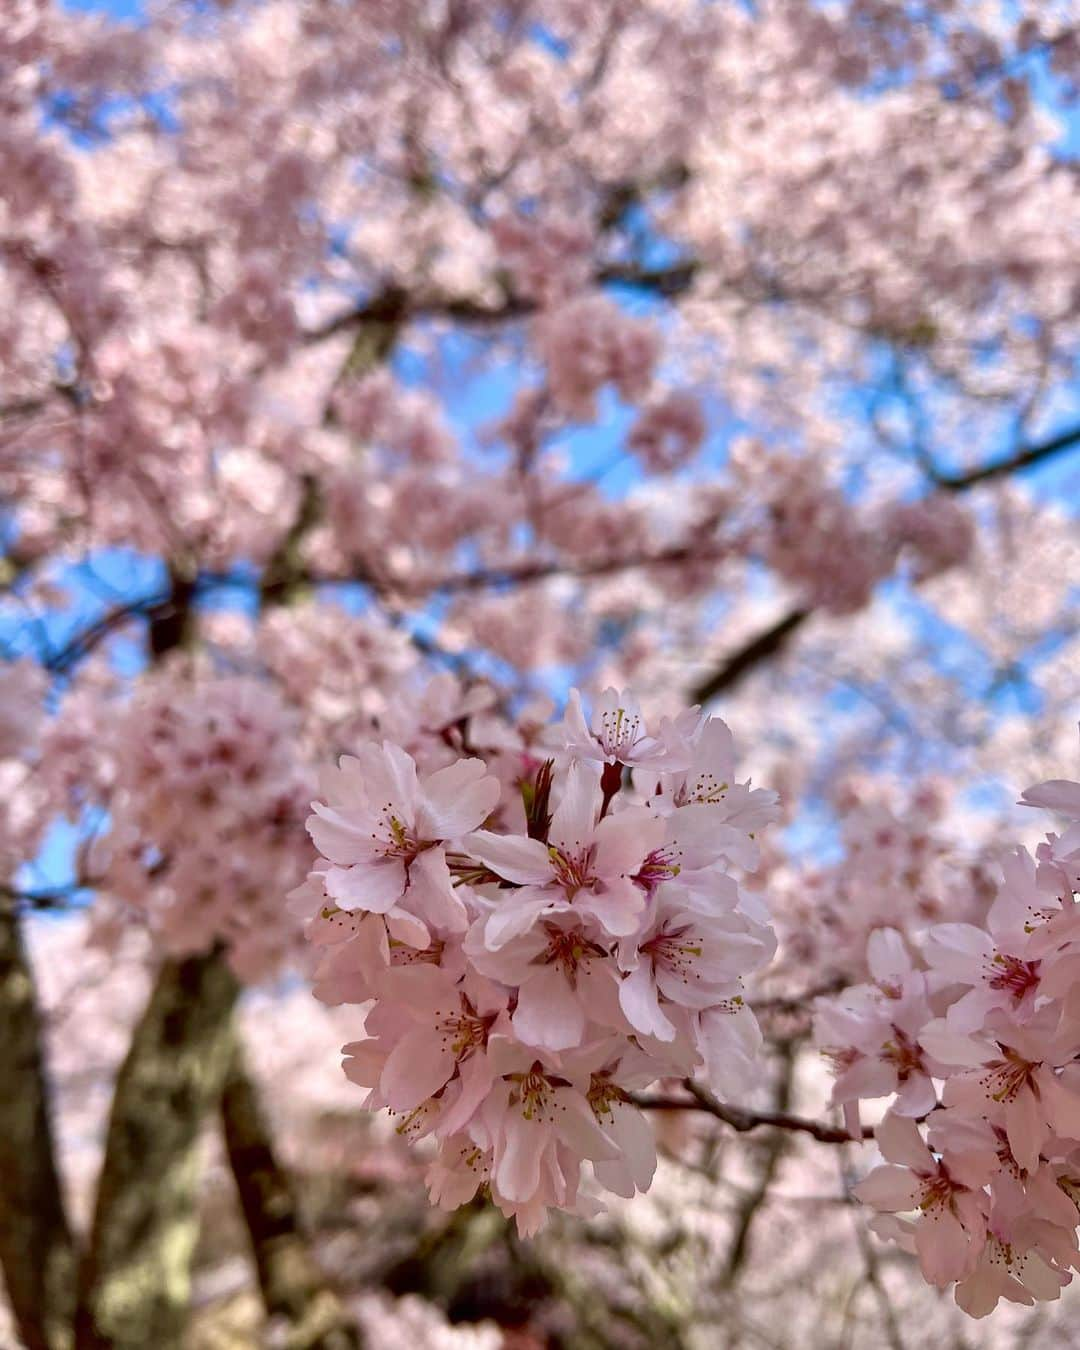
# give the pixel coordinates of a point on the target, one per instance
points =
(532, 1093)
(573, 871)
(676, 950)
(568, 949)
(1013, 975)
(938, 1190)
(841, 1059)
(1008, 1076)
(659, 866)
(619, 730)
(463, 1031)
(603, 1093)
(903, 1054)
(403, 955)
(394, 839)
(706, 787)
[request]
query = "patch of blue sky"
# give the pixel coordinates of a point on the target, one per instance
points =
(55, 867)
(88, 590)
(127, 11)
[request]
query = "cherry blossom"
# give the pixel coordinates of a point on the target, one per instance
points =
(381, 828)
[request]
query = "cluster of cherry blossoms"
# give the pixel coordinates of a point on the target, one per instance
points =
(974, 1033)
(539, 933)
(207, 795)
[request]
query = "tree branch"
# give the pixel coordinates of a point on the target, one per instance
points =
(1020, 459)
(83, 642)
(742, 1119)
(135, 1279)
(396, 306)
(758, 649)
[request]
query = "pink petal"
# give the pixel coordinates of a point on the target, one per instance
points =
(952, 947)
(548, 1012)
(1025, 1126)
(1061, 1107)
(916, 1097)
(578, 1127)
(978, 1295)
(431, 892)
(515, 915)
(618, 906)
(1056, 795)
(893, 1189)
(475, 1079)
(375, 887)
(455, 800)
(867, 1077)
(512, 857)
(419, 1065)
(575, 816)
(899, 1140)
(639, 1001)
(338, 839)
(408, 929)
(943, 1247)
(517, 1173)
(624, 840)
(888, 956)
(632, 1134)
(363, 1062)
(389, 776)
(950, 1047)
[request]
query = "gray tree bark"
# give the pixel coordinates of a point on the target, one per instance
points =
(135, 1278)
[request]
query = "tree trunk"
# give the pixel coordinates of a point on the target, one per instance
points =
(135, 1281)
(293, 1287)
(36, 1249)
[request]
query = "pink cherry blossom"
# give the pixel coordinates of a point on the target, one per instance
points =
(951, 1231)
(588, 865)
(381, 827)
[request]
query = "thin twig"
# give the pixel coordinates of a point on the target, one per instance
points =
(743, 1119)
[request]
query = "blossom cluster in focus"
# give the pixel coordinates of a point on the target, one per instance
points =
(540, 929)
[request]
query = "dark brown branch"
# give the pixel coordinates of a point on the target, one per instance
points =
(282, 576)
(758, 649)
(524, 574)
(88, 638)
(134, 1284)
(171, 621)
(744, 1120)
(666, 282)
(12, 899)
(36, 1249)
(292, 1285)
(1020, 459)
(395, 306)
